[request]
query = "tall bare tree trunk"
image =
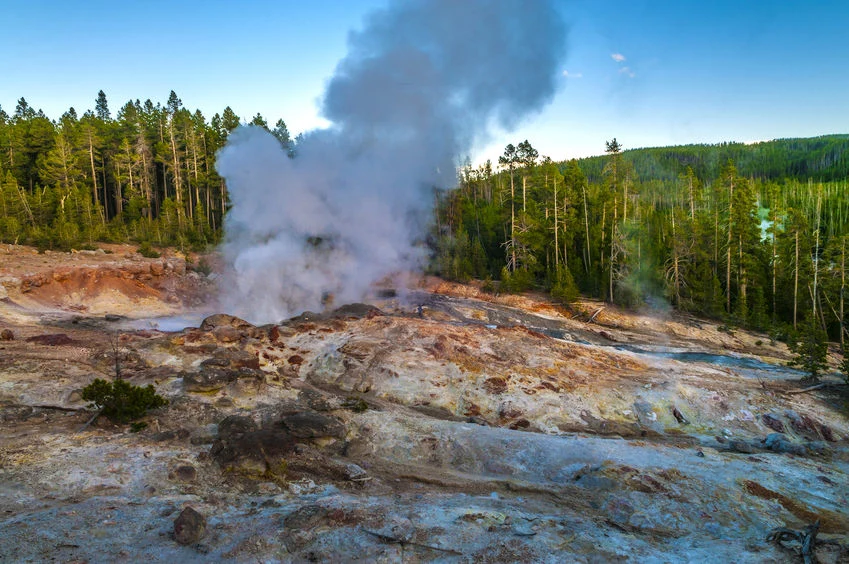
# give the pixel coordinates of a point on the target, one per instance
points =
(613, 246)
(817, 249)
(587, 226)
(556, 226)
(119, 207)
(524, 194)
(625, 200)
(716, 242)
(603, 235)
(774, 272)
(742, 274)
(796, 282)
(728, 250)
(178, 189)
(93, 170)
(512, 224)
(676, 284)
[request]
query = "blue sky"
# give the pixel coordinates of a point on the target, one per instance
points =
(650, 73)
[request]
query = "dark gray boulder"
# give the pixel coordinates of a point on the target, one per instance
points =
(189, 527)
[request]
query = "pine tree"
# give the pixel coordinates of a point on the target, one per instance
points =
(101, 107)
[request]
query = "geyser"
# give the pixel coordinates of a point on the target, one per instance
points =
(421, 83)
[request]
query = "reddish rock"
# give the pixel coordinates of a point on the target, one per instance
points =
(243, 359)
(227, 334)
(138, 269)
(61, 274)
(827, 433)
(53, 340)
(196, 336)
(7, 335)
(773, 422)
(177, 265)
(495, 385)
(33, 281)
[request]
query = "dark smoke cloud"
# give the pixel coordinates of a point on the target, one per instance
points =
(423, 82)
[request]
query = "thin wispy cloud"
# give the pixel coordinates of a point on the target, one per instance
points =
(567, 74)
(627, 72)
(618, 57)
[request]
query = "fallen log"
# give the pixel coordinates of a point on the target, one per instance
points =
(593, 316)
(808, 389)
(90, 421)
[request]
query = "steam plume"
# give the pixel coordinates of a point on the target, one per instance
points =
(422, 82)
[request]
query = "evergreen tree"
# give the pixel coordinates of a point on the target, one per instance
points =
(101, 107)
(810, 349)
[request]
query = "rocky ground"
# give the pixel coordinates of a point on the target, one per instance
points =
(450, 425)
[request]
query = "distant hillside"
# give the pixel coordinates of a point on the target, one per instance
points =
(823, 158)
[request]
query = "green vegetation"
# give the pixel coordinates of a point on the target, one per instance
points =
(147, 251)
(145, 175)
(757, 244)
(810, 349)
(121, 401)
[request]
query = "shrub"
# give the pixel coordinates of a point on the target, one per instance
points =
(121, 401)
(147, 251)
(203, 267)
(516, 281)
(810, 350)
(564, 288)
(488, 285)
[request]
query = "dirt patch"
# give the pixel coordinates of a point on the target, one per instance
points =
(113, 280)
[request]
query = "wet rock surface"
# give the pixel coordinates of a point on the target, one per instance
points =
(474, 430)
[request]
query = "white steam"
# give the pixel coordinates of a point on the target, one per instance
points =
(421, 83)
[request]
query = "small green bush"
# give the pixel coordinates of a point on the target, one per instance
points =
(121, 401)
(203, 267)
(147, 251)
(138, 426)
(810, 350)
(564, 288)
(488, 285)
(517, 281)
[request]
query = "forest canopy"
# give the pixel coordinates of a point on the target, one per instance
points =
(145, 175)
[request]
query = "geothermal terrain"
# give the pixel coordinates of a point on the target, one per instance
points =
(436, 423)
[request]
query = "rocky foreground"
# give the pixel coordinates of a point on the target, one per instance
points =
(448, 426)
